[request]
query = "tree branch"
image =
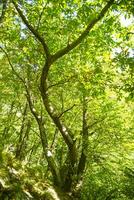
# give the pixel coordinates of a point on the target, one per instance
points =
(96, 122)
(4, 7)
(31, 28)
(11, 65)
(66, 111)
(40, 16)
(75, 43)
(83, 157)
(61, 82)
(51, 162)
(21, 132)
(63, 130)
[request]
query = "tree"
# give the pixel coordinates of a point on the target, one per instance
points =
(51, 47)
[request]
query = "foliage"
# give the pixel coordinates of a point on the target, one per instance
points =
(67, 95)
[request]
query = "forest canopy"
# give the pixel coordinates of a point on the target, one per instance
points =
(67, 100)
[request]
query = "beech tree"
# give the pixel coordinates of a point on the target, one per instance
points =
(67, 90)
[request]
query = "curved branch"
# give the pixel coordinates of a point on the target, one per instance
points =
(66, 110)
(31, 28)
(75, 43)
